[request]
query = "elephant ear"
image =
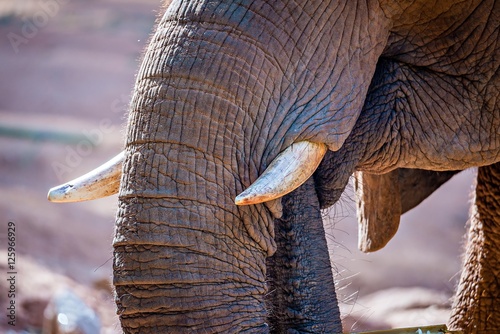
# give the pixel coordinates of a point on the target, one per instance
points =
(382, 199)
(418, 184)
(378, 203)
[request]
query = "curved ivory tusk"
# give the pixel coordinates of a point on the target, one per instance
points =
(287, 172)
(101, 182)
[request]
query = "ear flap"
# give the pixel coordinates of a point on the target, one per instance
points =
(382, 199)
(378, 203)
(418, 184)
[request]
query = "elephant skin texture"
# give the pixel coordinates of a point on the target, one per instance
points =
(225, 86)
(477, 305)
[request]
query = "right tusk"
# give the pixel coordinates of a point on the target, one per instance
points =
(101, 182)
(287, 172)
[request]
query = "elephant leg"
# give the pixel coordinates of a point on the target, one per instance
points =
(302, 294)
(477, 305)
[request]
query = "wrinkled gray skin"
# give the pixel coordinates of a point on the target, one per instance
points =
(225, 86)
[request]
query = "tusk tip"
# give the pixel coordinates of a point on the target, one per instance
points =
(60, 193)
(242, 199)
(55, 194)
(251, 196)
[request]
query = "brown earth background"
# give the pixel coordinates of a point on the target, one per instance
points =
(67, 70)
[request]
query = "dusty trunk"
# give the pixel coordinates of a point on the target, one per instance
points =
(186, 258)
(477, 305)
(176, 269)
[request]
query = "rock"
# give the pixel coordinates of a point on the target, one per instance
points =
(68, 314)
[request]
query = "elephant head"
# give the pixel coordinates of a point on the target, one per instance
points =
(236, 103)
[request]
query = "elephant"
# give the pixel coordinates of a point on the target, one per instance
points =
(249, 117)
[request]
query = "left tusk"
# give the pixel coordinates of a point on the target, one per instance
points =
(101, 182)
(287, 172)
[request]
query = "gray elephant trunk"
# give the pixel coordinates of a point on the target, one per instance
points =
(176, 268)
(187, 259)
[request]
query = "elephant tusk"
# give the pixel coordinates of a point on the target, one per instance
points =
(287, 172)
(101, 182)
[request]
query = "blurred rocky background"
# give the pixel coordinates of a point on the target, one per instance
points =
(67, 69)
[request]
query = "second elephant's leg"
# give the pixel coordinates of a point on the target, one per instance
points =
(477, 305)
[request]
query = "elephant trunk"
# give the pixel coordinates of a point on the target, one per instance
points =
(175, 268)
(186, 258)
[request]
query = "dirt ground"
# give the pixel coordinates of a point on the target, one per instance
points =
(67, 69)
